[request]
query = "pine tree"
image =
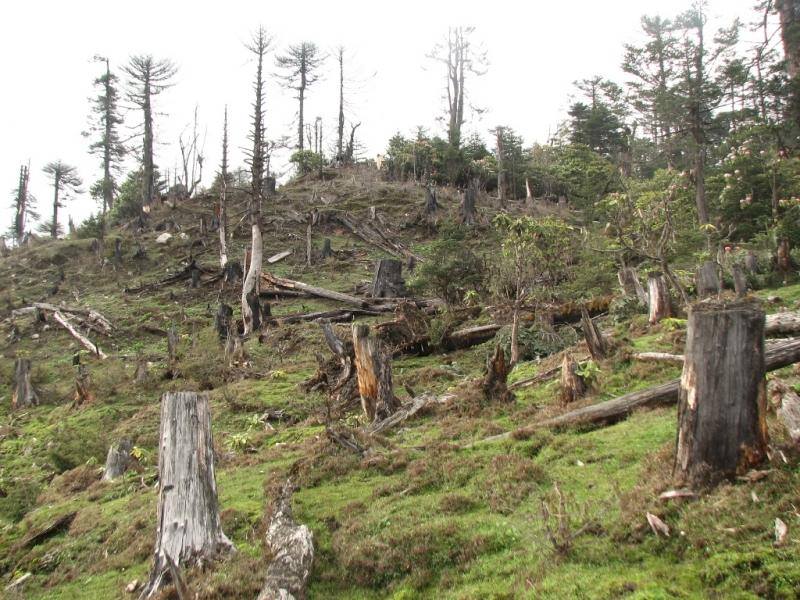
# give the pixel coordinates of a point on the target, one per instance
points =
(300, 64)
(65, 181)
(24, 206)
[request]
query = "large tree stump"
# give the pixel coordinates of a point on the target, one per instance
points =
(630, 284)
(595, 342)
(431, 205)
(659, 302)
(739, 281)
(707, 280)
(388, 281)
(722, 429)
(118, 460)
(326, 248)
(374, 375)
(467, 208)
(783, 259)
(189, 530)
(573, 387)
(23, 394)
(223, 320)
(495, 383)
(83, 387)
(292, 549)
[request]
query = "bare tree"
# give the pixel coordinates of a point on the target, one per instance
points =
(191, 160)
(147, 77)
(257, 158)
(460, 58)
(300, 64)
(340, 138)
(65, 180)
(23, 206)
(223, 196)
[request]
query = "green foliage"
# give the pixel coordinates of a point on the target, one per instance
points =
(536, 342)
(18, 497)
(91, 227)
(588, 371)
(306, 161)
(128, 204)
(71, 446)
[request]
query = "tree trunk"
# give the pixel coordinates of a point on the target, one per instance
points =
(23, 394)
(495, 383)
(189, 530)
(251, 283)
(660, 303)
(431, 205)
(722, 427)
(223, 320)
(309, 247)
(468, 204)
(739, 281)
(595, 342)
(631, 286)
(515, 335)
(707, 280)
(327, 252)
(118, 460)
(388, 281)
(783, 259)
(751, 262)
(374, 372)
(572, 385)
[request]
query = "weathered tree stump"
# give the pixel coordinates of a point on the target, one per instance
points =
(467, 208)
(140, 376)
(189, 530)
(595, 342)
(23, 394)
(707, 280)
(195, 273)
(751, 262)
(172, 352)
(327, 252)
(630, 284)
(223, 320)
(431, 204)
(118, 459)
(573, 387)
(659, 301)
(232, 272)
(783, 259)
(739, 281)
(374, 374)
(83, 387)
(722, 429)
(4, 251)
(495, 383)
(292, 549)
(118, 250)
(388, 281)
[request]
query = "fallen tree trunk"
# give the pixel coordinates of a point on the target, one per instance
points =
(408, 410)
(86, 342)
(595, 342)
(91, 318)
(314, 291)
(370, 233)
(335, 316)
(658, 357)
(292, 549)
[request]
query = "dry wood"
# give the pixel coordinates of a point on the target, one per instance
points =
(282, 282)
(707, 280)
(86, 316)
(118, 459)
(495, 382)
(408, 410)
(595, 342)
(23, 394)
(659, 301)
(573, 386)
(370, 233)
(292, 549)
(86, 342)
(374, 374)
(658, 357)
(189, 530)
(279, 256)
(336, 316)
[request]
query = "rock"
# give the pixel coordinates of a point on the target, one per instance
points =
(132, 586)
(164, 238)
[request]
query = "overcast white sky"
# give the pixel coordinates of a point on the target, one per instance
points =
(536, 50)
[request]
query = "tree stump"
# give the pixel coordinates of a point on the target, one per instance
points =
(83, 388)
(118, 459)
(783, 259)
(751, 262)
(739, 281)
(468, 205)
(595, 342)
(4, 251)
(573, 387)
(189, 531)
(707, 280)
(495, 383)
(327, 252)
(118, 250)
(232, 272)
(172, 352)
(374, 374)
(223, 320)
(195, 273)
(23, 394)
(431, 204)
(631, 286)
(659, 301)
(722, 428)
(140, 376)
(388, 281)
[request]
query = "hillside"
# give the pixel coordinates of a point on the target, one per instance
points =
(429, 509)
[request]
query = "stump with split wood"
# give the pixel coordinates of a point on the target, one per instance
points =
(495, 383)
(707, 280)
(595, 342)
(722, 429)
(189, 530)
(659, 301)
(388, 281)
(573, 387)
(23, 394)
(374, 375)
(118, 460)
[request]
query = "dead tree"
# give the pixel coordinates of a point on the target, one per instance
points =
(573, 387)
(431, 204)
(374, 374)
(739, 281)
(191, 161)
(631, 286)
(172, 352)
(222, 211)
(707, 280)
(659, 301)
(722, 428)
(223, 321)
(495, 383)
(300, 63)
(118, 459)
(595, 342)
(327, 252)
(83, 387)
(189, 531)
(468, 204)
(292, 549)
(23, 394)
(388, 281)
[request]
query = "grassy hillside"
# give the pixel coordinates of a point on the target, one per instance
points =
(426, 514)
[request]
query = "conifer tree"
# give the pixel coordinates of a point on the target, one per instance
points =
(65, 181)
(300, 65)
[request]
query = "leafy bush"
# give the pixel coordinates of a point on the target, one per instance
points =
(20, 497)
(535, 342)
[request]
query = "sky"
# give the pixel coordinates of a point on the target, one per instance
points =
(536, 50)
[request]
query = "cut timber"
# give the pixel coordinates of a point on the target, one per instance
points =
(388, 280)
(279, 256)
(595, 342)
(118, 460)
(470, 336)
(631, 286)
(86, 342)
(336, 316)
(408, 410)
(189, 530)
(782, 323)
(707, 280)
(313, 290)
(659, 302)
(495, 383)
(739, 281)
(88, 318)
(573, 386)
(292, 549)
(374, 374)
(23, 394)
(722, 422)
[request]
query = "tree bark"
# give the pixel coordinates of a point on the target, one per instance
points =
(23, 395)
(707, 280)
(468, 205)
(631, 286)
(739, 281)
(751, 262)
(374, 373)
(189, 530)
(495, 383)
(722, 427)
(660, 303)
(388, 281)
(431, 205)
(223, 320)
(595, 342)
(118, 460)
(326, 248)
(251, 282)
(573, 386)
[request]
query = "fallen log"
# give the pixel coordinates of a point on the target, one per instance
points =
(470, 336)
(335, 316)
(658, 357)
(86, 342)
(281, 282)
(92, 318)
(279, 256)
(408, 410)
(777, 357)
(370, 233)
